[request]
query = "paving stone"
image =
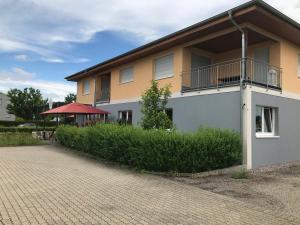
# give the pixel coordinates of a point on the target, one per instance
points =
(47, 185)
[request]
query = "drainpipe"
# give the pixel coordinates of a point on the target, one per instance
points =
(95, 91)
(242, 88)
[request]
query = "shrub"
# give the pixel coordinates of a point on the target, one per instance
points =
(240, 174)
(155, 150)
(18, 139)
(25, 129)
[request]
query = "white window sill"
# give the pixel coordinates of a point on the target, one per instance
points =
(126, 82)
(166, 77)
(266, 136)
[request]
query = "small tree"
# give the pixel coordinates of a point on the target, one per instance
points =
(154, 103)
(70, 98)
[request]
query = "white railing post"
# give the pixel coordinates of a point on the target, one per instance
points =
(218, 77)
(198, 77)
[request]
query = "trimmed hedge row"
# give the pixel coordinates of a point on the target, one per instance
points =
(25, 129)
(155, 150)
(16, 123)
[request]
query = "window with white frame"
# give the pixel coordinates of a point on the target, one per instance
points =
(299, 65)
(126, 75)
(125, 117)
(86, 87)
(163, 67)
(169, 112)
(266, 120)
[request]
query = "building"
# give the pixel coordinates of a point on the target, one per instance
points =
(4, 115)
(238, 70)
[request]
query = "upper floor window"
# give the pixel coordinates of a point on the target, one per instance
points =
(126, 75)
(266, 121)
(86, 87)
(163, 67)
(299, 65)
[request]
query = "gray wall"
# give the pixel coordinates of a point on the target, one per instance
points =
(287, 146)
(4, 100)
(189, 113)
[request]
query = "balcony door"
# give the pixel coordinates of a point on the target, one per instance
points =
(200, 73)
(105, 87)
(261, 64)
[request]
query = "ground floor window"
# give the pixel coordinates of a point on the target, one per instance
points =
(169, 113)
(125, 117)
(266, 120)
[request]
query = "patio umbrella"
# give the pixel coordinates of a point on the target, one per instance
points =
(75, 109)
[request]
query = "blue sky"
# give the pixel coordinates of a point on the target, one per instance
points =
(43, 41)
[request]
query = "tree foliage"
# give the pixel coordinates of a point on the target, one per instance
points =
(70, 98)
(154, 103)
(27, 103)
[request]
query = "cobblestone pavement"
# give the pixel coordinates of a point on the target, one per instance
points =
(48, 185)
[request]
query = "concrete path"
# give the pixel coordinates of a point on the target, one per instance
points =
(49, 185)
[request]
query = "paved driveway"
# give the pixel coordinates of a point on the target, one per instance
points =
(48, 185)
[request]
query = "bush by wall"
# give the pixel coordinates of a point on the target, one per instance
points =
(155, 150)
(25, 129)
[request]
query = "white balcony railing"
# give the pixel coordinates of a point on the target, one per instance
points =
(103, 96)
(229, 73)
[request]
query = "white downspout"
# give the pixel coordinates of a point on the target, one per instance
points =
(242, 89)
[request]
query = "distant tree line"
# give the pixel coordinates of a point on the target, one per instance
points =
(29, 103)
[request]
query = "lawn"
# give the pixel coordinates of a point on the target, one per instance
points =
(18, 139)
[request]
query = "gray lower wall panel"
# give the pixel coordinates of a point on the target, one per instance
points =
(286, 147)
(189, 113)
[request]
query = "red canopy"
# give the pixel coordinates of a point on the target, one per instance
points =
(75, 108)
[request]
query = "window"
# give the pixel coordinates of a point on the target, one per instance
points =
(125, 117)
(299, 65)
(126, 75)
(169, 113)
(163, 67)
(86, 87)
(266, 121)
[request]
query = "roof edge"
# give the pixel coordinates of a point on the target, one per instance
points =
(259, 3)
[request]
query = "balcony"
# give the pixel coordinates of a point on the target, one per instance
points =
(228, 73)
(103, 88)
(103, 96)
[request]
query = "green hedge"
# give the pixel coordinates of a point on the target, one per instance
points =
(16, 123)
(18, 139)
(155, 150)
(25, 129)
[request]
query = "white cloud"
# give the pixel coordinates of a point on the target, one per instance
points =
(19, 78)
(21, 57)
(61, 60)
(53, 60)
(41, 25)
(17, 74)
(81, 60)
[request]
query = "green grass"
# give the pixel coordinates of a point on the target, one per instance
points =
(18, 139)
(241, 174)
